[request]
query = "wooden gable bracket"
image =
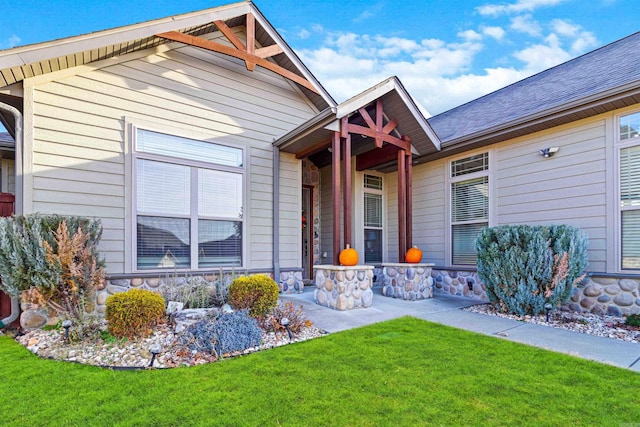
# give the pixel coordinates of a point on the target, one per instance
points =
(248, 53)
(377, 130)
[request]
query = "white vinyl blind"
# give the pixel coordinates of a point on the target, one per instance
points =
(469, 205)
(372, 210)
(630, 206)
(470, 200)
(185, 148)
(219, 194)
(163, 188)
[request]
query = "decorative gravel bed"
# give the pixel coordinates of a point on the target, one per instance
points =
(586, 323)
(137, 353)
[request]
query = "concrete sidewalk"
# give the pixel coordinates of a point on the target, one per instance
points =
(446, 310)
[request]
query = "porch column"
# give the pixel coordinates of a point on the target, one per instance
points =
(402, 205)
(348, 209)
(335, 182)
(409, 211)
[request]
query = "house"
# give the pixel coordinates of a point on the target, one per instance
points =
(204, 144)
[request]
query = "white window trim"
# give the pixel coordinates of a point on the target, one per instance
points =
(131, 155)
(358, 211)
(619, 145)
(448, 247)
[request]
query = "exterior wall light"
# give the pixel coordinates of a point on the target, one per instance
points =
(549, 152)
(547, 308)
(285, 322)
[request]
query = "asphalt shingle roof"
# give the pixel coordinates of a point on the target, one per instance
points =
(5, 137)
(599, 71)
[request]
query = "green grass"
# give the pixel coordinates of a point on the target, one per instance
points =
(405, 372)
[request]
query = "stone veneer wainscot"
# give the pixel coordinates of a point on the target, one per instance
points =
(407, 281)
(343, 287)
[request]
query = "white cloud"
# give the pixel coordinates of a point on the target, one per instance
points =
(542, 56)
(304, 34)
(12, 41)
(582, 40)
(526, 24)
(564, 28)
(436, 73)
(494, 32)
(519, 6)
(470, 35)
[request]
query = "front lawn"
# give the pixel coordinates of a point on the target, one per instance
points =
(404, 372)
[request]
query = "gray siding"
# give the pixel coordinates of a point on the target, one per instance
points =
(79, 142)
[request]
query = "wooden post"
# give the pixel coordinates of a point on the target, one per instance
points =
(335, 184)
(409, 185)
(402, 205)
(348, 209)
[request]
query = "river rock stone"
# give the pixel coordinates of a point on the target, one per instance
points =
(33, 319)
(628, 285)
(624, 299)
(592, 290)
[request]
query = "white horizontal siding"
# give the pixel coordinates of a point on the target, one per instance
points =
(290, 211)
(568, 188)
(79, 146)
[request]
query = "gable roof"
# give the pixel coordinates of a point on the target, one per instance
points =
(22, 62)
(602, 80)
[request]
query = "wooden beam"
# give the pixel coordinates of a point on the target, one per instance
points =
(376, 157)
(402, 206)
(347, 191)
(390, 126)
(267, 51)
(251, 34)
(379, 116)
(335, 192)
(322, 145)
(237, 53)
(230, 35)
(351, 128)
(367, 118)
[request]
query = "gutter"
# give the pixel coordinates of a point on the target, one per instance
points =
(276, 215)
(15, 302)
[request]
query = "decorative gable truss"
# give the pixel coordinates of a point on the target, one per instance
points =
(241, 50)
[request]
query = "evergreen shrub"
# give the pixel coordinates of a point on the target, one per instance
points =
(52, 257)
(257, 293)
(134, 313)
(236, 331)
(525, 267)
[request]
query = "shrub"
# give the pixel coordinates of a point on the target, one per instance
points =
(54, 255)
(229, 332)
(236, 331)
(134, 313)
(257, 293)
(525, 267)
(633, 320)
(296, 316)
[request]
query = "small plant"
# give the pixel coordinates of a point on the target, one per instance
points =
(134, 313)
(236, 331)
(88, 327)
(633, 320)
(195, 293)
(200, 337)
(257, 293)
(296, 316)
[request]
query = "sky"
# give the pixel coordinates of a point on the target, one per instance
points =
(445, 52)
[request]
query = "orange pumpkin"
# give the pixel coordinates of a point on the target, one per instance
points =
(348, 256)
(413, 256)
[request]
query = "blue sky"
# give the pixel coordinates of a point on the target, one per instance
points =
(445, 52)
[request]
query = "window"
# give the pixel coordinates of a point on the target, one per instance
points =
(372, 219)
(469, 206)
(189, 202)
(629, 179)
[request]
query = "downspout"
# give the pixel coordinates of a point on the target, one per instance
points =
(276, 214)
(15, 302)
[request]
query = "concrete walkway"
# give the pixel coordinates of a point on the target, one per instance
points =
(446, 310)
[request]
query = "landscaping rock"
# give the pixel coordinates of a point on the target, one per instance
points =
(33, 319)
(185, 318)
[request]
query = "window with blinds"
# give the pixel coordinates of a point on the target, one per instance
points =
(469, 206)
(189, 203)
(373, 211)
(629, 168)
